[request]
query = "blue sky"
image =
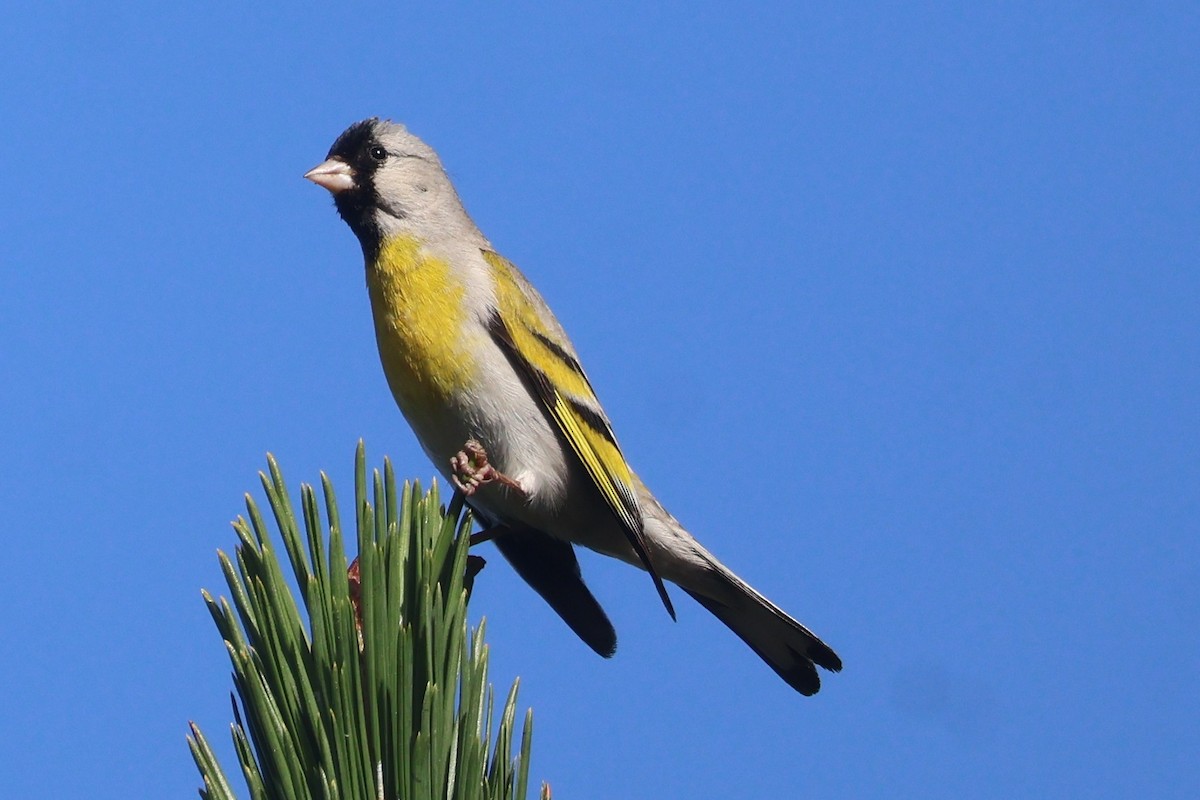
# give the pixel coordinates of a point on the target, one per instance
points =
(897, 308)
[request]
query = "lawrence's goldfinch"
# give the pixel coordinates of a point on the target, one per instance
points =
(495, 393)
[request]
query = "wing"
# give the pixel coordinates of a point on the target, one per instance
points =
(537, 345)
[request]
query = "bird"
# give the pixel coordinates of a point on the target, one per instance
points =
(494, 391)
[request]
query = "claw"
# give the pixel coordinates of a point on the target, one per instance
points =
(470, 469)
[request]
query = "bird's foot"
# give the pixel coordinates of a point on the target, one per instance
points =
(487, 534)
(470, 469)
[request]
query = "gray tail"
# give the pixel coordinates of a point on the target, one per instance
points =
(789, 648)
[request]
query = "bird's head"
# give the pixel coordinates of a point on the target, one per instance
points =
(386, 182)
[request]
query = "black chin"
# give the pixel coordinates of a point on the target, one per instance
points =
(357, 208)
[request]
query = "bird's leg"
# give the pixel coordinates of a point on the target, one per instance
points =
(487, 534)
(470, 469)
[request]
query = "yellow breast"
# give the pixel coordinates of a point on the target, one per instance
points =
(420, 325)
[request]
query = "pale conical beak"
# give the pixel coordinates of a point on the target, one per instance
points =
(333, 174)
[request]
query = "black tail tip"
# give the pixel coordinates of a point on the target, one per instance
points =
(801, 674)
(823, 656)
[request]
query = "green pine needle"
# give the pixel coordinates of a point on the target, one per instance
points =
(400, 707)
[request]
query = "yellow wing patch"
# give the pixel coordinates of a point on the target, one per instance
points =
(602, 459)
(549, 363)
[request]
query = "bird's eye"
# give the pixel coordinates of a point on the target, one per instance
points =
(377, 153)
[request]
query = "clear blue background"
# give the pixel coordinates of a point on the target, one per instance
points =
(897, 307)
